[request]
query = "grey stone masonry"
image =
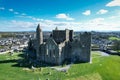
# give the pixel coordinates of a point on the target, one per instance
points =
(62, 46)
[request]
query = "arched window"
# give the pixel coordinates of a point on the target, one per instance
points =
(53, 52)
(50, 53)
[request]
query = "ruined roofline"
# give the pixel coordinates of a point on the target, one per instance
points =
(50, 38)
(56, 29)
(62, 30)
(88, 33)
(62, 43)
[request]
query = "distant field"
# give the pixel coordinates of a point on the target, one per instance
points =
(114, 38)
(101, 68)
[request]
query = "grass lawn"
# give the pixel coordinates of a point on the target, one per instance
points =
(101, 68)
(1, 47)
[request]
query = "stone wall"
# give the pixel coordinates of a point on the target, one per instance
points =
(62, 35)
(51, 52)
(59, 36)
(85, 39)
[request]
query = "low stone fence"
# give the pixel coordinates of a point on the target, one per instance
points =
(112, 52)
(6, 52)
(95, 49)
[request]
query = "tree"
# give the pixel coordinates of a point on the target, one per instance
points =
(116, 45)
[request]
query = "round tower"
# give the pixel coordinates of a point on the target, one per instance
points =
(39, 35)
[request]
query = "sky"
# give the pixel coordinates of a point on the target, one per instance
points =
(79, 15)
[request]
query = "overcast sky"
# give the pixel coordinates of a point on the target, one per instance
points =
(79, 15)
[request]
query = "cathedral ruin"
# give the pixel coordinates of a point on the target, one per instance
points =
(62, 46)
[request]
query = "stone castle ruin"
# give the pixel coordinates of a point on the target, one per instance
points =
(62, 46)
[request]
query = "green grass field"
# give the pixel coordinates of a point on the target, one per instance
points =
(101, 68)
(114, 38)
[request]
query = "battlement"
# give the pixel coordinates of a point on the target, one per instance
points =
(62, 35)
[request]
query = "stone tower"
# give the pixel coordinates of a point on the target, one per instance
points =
(39, 35)
(85, 39)
(56, 28)
(39, 40)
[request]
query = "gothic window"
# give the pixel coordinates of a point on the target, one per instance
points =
(47, 51)
(50, 47)
(47, 46)
(53, 52)
(53, 47)
(50, 53)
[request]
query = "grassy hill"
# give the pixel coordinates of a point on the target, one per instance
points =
(101, 68)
